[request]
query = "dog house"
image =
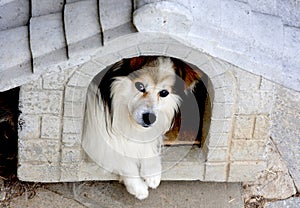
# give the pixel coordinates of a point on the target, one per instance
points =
(86, 37)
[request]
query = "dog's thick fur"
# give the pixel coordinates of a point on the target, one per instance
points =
(127, 115)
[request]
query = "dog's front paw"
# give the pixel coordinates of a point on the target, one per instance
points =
(153, 182)
(136, 187)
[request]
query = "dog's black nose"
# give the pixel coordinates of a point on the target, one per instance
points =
(148, 118)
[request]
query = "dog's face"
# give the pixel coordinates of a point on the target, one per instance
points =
(142, 93)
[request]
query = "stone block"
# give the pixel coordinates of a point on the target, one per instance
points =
(40, 102)
(14, 49)
(72, 125)
(108, 59)
(215, 172)
(73, 109)
(290, 12)
(266, 85)
(234, 15)
(216, 154)
(266, 6)
(224, 95)
(129, 52)
(172, 51)
(69, 172)
(152, 49)
(91, 68)
(262, 127)
(47, 41)
(44, 7)
(244, 126)
(14, 14)
(39, 150)
(255, 102)
(32, 86)
(195, 57)
(220, 126)
(245, 150)
(218, 139)
(213, 68)
(82, 27)
(222, 80)
(245, 171)
(39, 173)
(70, 140)
(247, 81)
(75, 94)
(71, 155)
(291, 45)
(79, 79)
(208, 12)
(222, 110)
(51, 127)
(285, 129)
(164, 17)
(267, 32)
(54, 81)
(30, 126)
(291, 202)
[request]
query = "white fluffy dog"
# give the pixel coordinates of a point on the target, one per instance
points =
(127, 116)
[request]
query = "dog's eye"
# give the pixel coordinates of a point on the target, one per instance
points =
(163, 93)
(140, 87)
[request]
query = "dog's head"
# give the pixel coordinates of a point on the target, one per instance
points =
(141, 91)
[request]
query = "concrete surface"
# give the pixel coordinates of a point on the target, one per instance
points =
(113, 194)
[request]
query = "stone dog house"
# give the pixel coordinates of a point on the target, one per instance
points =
(249, 52)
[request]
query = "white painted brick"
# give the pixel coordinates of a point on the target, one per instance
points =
(74, 109)
(244, 126)
(215, 171)
(235, 16)
(72, 125)
(82, 27)
(14, 14)
(71, 155)
(44, 7)
(47, 41)
(30, 126)
(265, 6)
(243, 150)
(245, 171)
(267, 31)
(262, 127)
(42, 173)
(50, 127)
(40, 102)
(39, 150)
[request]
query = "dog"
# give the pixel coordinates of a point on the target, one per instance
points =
(129, 112)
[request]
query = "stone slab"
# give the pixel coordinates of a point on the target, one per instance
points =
(292, 202)
(47, 41)
(45, 7)
(14, 14)
(81, 20)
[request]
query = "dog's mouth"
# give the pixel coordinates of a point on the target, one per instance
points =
(148, 119)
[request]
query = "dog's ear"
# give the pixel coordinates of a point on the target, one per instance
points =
(137, 62)
(189, 75)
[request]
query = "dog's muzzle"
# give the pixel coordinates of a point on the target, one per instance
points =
(148, 119)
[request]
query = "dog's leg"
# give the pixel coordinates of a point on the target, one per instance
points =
(151, 171)
(136, 186)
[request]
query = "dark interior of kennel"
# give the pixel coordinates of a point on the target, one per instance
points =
(192, 123)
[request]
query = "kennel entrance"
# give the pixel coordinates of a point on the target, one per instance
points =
(53, 114)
